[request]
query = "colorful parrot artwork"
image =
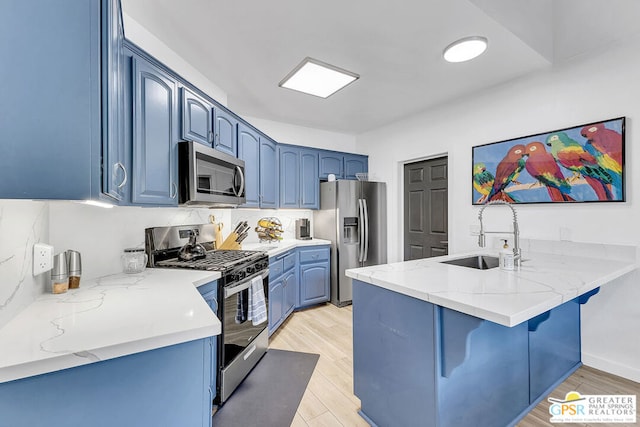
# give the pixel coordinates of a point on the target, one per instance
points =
(507, 172)
(573, 156)
(606, 146)
(542, 166)
(482, 180)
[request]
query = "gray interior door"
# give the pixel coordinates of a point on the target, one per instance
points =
(425, 209)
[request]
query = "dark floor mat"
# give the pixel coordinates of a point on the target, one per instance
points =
(271, 393)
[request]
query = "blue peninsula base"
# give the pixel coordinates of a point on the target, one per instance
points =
(164, 387)
(420, 364)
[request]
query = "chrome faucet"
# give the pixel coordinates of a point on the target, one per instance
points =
(517, 254)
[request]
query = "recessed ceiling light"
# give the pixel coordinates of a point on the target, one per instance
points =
(465, 49)
(317, 78)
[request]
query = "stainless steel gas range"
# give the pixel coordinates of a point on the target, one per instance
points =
(241, 344)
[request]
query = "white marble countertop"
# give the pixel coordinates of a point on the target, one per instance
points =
(105, 318)
(274, 249)
(543, 282)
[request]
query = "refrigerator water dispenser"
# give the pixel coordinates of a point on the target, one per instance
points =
(350, 230)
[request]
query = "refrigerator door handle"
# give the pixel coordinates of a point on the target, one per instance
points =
(366, 230)
(360, 231)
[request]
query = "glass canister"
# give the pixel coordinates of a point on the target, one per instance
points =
(134, 260)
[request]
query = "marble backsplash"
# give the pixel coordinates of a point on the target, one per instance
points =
(102, 234)
(22, 223)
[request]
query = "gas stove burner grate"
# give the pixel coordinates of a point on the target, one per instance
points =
(219, 260)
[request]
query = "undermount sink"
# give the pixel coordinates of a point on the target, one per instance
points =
(479, 262)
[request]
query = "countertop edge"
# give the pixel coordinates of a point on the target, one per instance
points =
(493, 316)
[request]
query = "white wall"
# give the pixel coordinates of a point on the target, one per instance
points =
(22, 223)
(589, 88)
(153, 45)
(308, 137)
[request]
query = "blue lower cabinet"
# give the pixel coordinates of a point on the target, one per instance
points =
(162, 387)
(423, 364)
(209, 293)
(290, 291)
(315, 275)
(276, 304)
(554, 347)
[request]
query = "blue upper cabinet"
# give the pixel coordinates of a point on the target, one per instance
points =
(289, 176)
(299, 184)
(52, 98)
(342, 165)
(197, 121)
(116, 149)
(249, 151)
(354, 164)
(155, 135)
(331, 163)
(225, 128)
(309, 184)
(268, 173)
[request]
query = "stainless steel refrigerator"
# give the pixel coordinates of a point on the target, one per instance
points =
(353, 215)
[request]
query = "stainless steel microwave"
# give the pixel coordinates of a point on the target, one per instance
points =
(209, 177)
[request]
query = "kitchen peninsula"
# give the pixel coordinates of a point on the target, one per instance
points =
(124, 349)
(446, 345)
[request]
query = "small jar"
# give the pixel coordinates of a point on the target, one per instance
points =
(134, 260)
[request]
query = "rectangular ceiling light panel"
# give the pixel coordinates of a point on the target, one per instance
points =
(317, 78)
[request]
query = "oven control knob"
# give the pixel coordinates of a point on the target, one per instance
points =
(250, 270)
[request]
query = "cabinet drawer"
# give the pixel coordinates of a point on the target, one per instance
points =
(289, 261)
(314, 255)
(275, 268)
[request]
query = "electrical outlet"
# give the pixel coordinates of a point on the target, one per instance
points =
(42, 258)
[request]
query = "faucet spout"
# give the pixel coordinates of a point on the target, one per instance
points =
(517, 254)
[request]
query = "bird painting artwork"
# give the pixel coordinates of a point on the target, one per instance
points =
(482, 180)
(543, 167)
(575, 158)
(583, 163)
(506, 173)
(606, 146)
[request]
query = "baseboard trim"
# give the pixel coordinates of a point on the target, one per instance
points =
(611, 367)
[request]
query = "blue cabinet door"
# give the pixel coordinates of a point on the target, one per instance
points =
(50, 126)
(309, 183)
(314, 283)
(155, 135)
(225, 130)
(354, 164)
(276, 304)
(268, 173)
(116, 164)
(554, 347)
(289, 177)
(197, 124)
(290, 285)
(249, 150)
(331, 163)
(209, 293)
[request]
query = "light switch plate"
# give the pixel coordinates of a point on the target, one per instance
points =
(42, 258)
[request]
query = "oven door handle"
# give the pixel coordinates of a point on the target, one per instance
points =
(230, 291)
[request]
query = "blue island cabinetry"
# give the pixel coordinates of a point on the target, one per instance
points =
(416, 363)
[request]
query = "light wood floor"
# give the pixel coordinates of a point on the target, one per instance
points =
(329, 400)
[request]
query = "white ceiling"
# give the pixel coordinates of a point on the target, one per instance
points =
(247, 46)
